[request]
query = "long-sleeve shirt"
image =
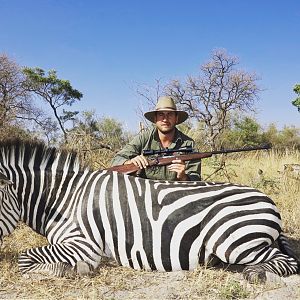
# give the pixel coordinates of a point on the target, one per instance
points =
(149, 139)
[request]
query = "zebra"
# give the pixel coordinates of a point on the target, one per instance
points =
(141, 223)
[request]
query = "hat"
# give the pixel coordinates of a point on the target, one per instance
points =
(166, 103)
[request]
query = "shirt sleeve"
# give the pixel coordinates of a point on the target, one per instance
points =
(132, 149)
(193, 171)
(193, 168)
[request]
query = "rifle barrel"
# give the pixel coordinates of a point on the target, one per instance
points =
(265, 147)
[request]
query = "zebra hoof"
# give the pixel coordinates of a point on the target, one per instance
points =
(255, 274)
(82, 268)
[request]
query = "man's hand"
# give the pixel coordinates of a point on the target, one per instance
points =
(139, 161)
(178, 166)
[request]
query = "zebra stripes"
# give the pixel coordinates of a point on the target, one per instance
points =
(143, 224)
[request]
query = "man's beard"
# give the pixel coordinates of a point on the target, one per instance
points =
(166, 131)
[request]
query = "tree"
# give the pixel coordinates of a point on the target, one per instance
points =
(97, 139)
(57, 93)
(219, 89)
(289, 137)
(14, 98)
(19, 114)
(271, 134)
(243, 132)
(209, 98)
(296, 102)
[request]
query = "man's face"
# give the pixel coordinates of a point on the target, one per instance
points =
(166, 121)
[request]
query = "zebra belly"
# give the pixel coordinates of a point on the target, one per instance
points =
(141, 259)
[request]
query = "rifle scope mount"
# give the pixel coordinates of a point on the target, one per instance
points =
(167, 151)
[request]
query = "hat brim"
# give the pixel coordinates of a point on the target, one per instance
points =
(182, 115)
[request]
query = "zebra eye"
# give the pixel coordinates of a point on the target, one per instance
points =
(4, 183)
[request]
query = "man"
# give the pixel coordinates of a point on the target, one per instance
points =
(164, 135)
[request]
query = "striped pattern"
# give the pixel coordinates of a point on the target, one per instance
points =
(143, 224)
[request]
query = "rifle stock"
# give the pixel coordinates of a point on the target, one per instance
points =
(159, 161)
(167, 160)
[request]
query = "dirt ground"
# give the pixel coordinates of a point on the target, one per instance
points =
(173, 286)
(118, 283)
(289, 289)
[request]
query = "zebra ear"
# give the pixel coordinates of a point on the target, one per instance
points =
(4, 181)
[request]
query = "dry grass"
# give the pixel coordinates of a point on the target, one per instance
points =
(115, 282)
(265, 171)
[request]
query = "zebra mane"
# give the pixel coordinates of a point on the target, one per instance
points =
(24, 151)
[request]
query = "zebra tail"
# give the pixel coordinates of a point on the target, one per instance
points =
(285, 247)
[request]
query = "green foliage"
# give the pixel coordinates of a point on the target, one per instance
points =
(271, 134)
(296, 102)
(111, 130)
(97, 139)
(287, 138)
(248, 130)
(233, 289)
(243, 131)
(57, 93)
(106, 130)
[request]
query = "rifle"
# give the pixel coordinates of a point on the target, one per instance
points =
(167, 159)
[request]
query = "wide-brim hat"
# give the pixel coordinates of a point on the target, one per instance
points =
(166, 103)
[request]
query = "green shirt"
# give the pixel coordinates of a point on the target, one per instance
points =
(148, 139)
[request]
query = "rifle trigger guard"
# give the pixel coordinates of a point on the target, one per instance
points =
(156, 161)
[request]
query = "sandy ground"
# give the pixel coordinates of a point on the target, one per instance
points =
(145, 285)
(288, 290)
(172, 286)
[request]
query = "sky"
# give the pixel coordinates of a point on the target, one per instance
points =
(106, 49)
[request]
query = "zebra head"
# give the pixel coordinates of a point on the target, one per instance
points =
(9, 208)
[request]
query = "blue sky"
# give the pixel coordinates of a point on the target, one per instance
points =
(106, 48)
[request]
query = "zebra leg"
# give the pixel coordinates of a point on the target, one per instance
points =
(278, 263)
(54, 260)
(30, 266)
(38, 271)
(286, 248)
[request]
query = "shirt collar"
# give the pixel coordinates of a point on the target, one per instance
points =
(177, 137)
